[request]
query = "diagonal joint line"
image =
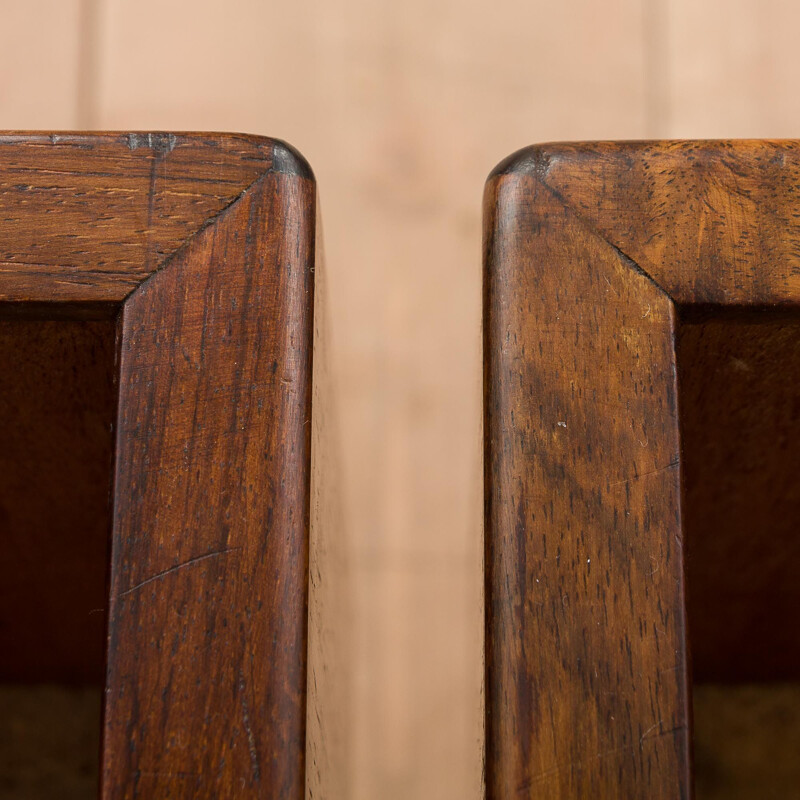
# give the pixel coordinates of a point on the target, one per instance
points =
(184, 245)
(272, 169)
(626, 259)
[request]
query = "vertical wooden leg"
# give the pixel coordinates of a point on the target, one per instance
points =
(586, 685)
(205, 693)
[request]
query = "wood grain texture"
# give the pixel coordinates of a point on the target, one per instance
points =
(701, 239)
(204, 248)
(209, 556)
(710, 222)
(586, 691)
(115, 207)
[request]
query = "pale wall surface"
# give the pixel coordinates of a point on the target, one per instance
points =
(402, 109)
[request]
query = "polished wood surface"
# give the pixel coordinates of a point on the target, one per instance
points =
(200, 249)
(709, 222)
(598, 257)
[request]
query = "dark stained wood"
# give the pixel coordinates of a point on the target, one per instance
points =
(738, 730)
(200, 251)
(49, 740)
(615, 271)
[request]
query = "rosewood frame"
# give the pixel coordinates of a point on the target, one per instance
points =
(202, 248)
(591, 250)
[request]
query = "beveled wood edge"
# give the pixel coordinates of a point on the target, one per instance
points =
(533, 162)
(283, 159)
(289, 169)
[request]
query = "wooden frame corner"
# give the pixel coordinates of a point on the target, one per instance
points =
(202, 247)
(591, 252)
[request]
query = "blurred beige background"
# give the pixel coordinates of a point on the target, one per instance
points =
(402, 108)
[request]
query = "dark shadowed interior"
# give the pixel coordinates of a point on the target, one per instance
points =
(739, 379)
(56, 412)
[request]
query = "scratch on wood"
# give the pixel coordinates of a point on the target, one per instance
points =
(190, 562)
(671, 465)
(251, 739)
(660, 734)
(651, 728)
(554, 770)
(169, 775)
